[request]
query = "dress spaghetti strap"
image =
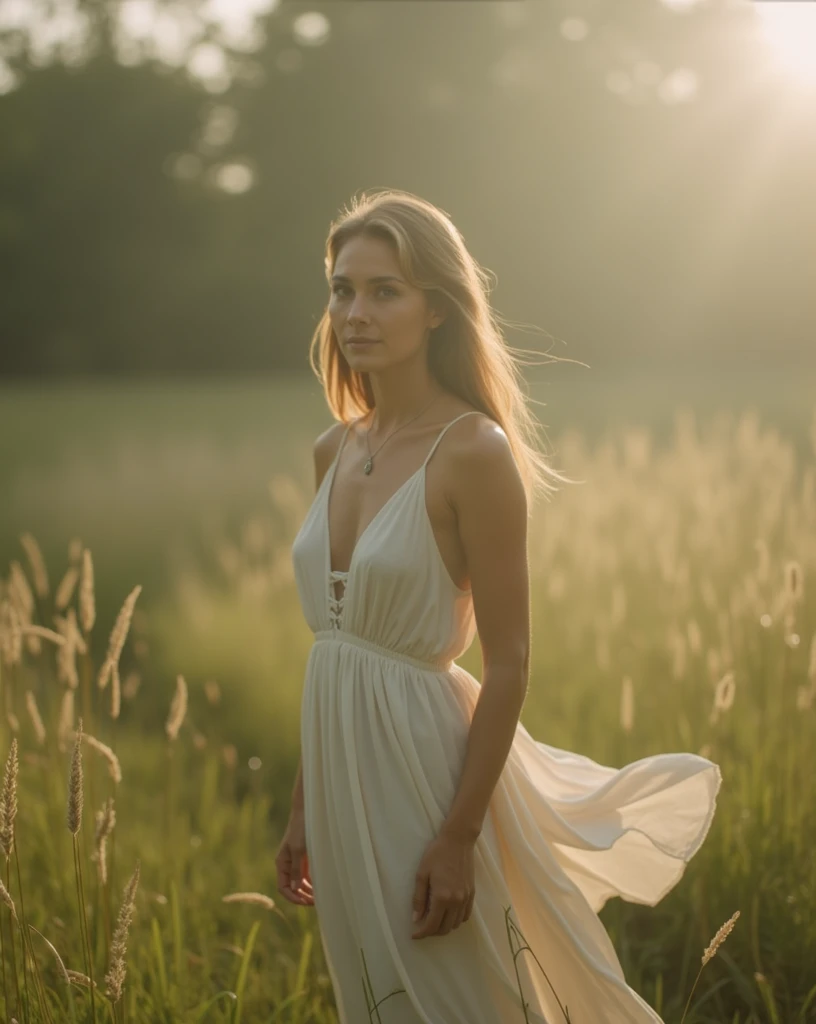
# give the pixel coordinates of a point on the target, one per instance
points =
(447, 426)
(342, 445)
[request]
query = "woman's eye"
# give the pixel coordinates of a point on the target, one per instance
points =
(340, 288)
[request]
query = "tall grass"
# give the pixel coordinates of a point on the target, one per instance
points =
(672, 610)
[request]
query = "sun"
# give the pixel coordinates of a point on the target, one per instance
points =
(790, 27)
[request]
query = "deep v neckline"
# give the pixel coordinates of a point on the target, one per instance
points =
(336, 575)
(366, 528)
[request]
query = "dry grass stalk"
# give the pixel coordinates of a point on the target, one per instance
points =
(115, 978)
(11, 639)
(36, 718)
(713, 946)
(105, 822)
(114, 767)
(5, 896)
(178, 708)
(23, 600)
(724, 695)
(87, 604)
(627, 706)
(29, 629)
(213, 691)
(75, 788)
(116, 691)
(8, 800)
(37, 563)
(722, 934)
(65, 727)
(76, 632)
(75, 548)
(13, 721)
(118, 636)
(66, 587)
(66, 659)
(80, 979)
(256, 898)
(57, 957)
(20, 591)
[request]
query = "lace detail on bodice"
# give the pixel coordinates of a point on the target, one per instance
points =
(336, 603)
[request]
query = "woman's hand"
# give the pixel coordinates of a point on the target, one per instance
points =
(445, 885)
(292, 863)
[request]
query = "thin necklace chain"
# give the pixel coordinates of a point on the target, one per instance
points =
(369, 464)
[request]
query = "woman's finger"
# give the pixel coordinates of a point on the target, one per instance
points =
(446, 925)
(429, 924)
(458, 917)
(469, 907)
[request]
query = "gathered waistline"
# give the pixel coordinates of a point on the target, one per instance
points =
(342, 636)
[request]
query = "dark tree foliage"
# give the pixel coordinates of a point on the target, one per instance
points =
(606, 222)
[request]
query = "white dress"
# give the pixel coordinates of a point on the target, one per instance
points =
(384, 726)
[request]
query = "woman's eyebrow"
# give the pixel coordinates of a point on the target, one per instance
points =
(371, 280)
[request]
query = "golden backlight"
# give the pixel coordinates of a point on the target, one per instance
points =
(790, 27)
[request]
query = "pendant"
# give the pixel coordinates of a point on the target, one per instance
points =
(368, 467)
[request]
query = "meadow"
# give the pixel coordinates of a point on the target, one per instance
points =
(152, 648)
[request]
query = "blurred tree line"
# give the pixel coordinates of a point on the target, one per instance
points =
(168, 174)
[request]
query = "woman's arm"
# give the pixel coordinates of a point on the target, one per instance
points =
(491, 509)
(491, 735)
(488, 496)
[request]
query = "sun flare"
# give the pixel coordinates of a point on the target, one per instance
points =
(790, 28)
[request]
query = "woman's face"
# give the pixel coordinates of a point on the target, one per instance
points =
(389, 311)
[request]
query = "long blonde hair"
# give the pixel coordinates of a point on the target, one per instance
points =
(467, 355)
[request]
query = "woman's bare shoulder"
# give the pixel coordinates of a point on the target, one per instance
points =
(325, 448)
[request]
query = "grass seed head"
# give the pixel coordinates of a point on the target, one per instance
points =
(75, 789)
(116, 691)
(720, 937)
(87, 605)
(114, 767)
(66, 587)
(20, 591)
(178, 708)
(37, 563)
(115, 978)
(122, 625)
(258, 899)
(724, 695)
(8, 802)
(11, 637)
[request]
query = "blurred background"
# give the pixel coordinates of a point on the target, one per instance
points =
(637, 176)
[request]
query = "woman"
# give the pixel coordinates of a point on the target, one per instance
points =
(429, 830)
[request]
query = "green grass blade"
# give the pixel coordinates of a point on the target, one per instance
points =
(242, 972)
